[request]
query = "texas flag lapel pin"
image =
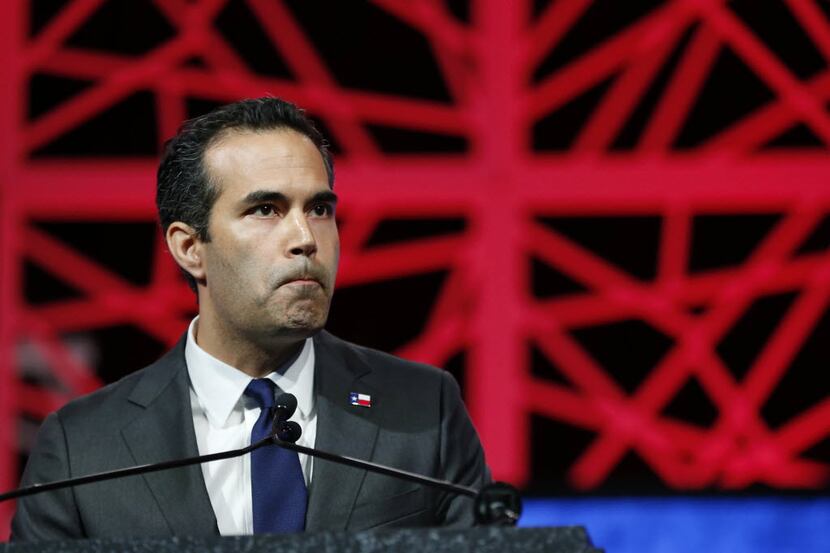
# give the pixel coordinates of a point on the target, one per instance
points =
(361, 400)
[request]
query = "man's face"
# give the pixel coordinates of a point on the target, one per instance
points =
(271, 261)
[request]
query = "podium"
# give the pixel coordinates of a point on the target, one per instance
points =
(568, 539)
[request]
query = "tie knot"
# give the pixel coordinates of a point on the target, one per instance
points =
(262, 391)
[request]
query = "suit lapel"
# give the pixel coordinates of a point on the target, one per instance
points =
(341, 428)
(164, 431)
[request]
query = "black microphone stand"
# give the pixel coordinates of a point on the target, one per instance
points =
(495, 504)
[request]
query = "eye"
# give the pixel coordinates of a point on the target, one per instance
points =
(265, 210)
(322, 210)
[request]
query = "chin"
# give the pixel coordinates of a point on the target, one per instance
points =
(280, 335)
(302, 327)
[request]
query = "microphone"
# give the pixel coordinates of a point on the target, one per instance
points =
(284, 407)
(284, 429)
(497, 503)
(288, 432)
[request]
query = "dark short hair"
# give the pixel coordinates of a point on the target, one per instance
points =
(184, 190)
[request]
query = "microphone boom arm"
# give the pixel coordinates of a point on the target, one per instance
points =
(132, 471)
(444, 485)
(178, 463)
(495, 504)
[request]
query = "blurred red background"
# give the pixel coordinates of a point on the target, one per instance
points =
(610, 220)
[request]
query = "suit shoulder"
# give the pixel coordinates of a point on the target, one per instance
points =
(108, 403)
(101, 400)
(391, 366)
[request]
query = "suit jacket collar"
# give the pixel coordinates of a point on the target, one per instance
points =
(164, 431)
(341, 428)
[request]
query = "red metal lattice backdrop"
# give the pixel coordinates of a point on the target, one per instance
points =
(502, 185)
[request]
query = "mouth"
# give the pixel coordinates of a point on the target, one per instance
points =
(303, 281)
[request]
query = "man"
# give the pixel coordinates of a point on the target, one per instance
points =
(245, 198)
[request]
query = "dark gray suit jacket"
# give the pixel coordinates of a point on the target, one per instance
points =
(417, 422)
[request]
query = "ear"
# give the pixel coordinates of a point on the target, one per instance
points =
(186, 247)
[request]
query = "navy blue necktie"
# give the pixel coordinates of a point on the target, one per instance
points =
(278, 489)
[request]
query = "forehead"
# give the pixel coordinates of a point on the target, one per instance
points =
(280, 159)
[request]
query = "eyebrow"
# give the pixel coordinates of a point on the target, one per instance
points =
(265, 196)
(327, 196)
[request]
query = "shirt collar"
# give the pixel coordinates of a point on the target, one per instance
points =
(220, 386)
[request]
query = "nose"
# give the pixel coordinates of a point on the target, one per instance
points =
(301, 239)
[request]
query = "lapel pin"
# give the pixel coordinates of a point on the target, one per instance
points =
(361, 400)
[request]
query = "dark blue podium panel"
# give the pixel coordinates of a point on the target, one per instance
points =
(570, 539)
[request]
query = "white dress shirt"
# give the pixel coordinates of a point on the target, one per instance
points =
(223, 419)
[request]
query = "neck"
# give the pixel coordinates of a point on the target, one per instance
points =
(253, 359)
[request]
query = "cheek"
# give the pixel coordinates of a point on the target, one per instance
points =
(233, 268)
(332, 259)
(328, 243)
